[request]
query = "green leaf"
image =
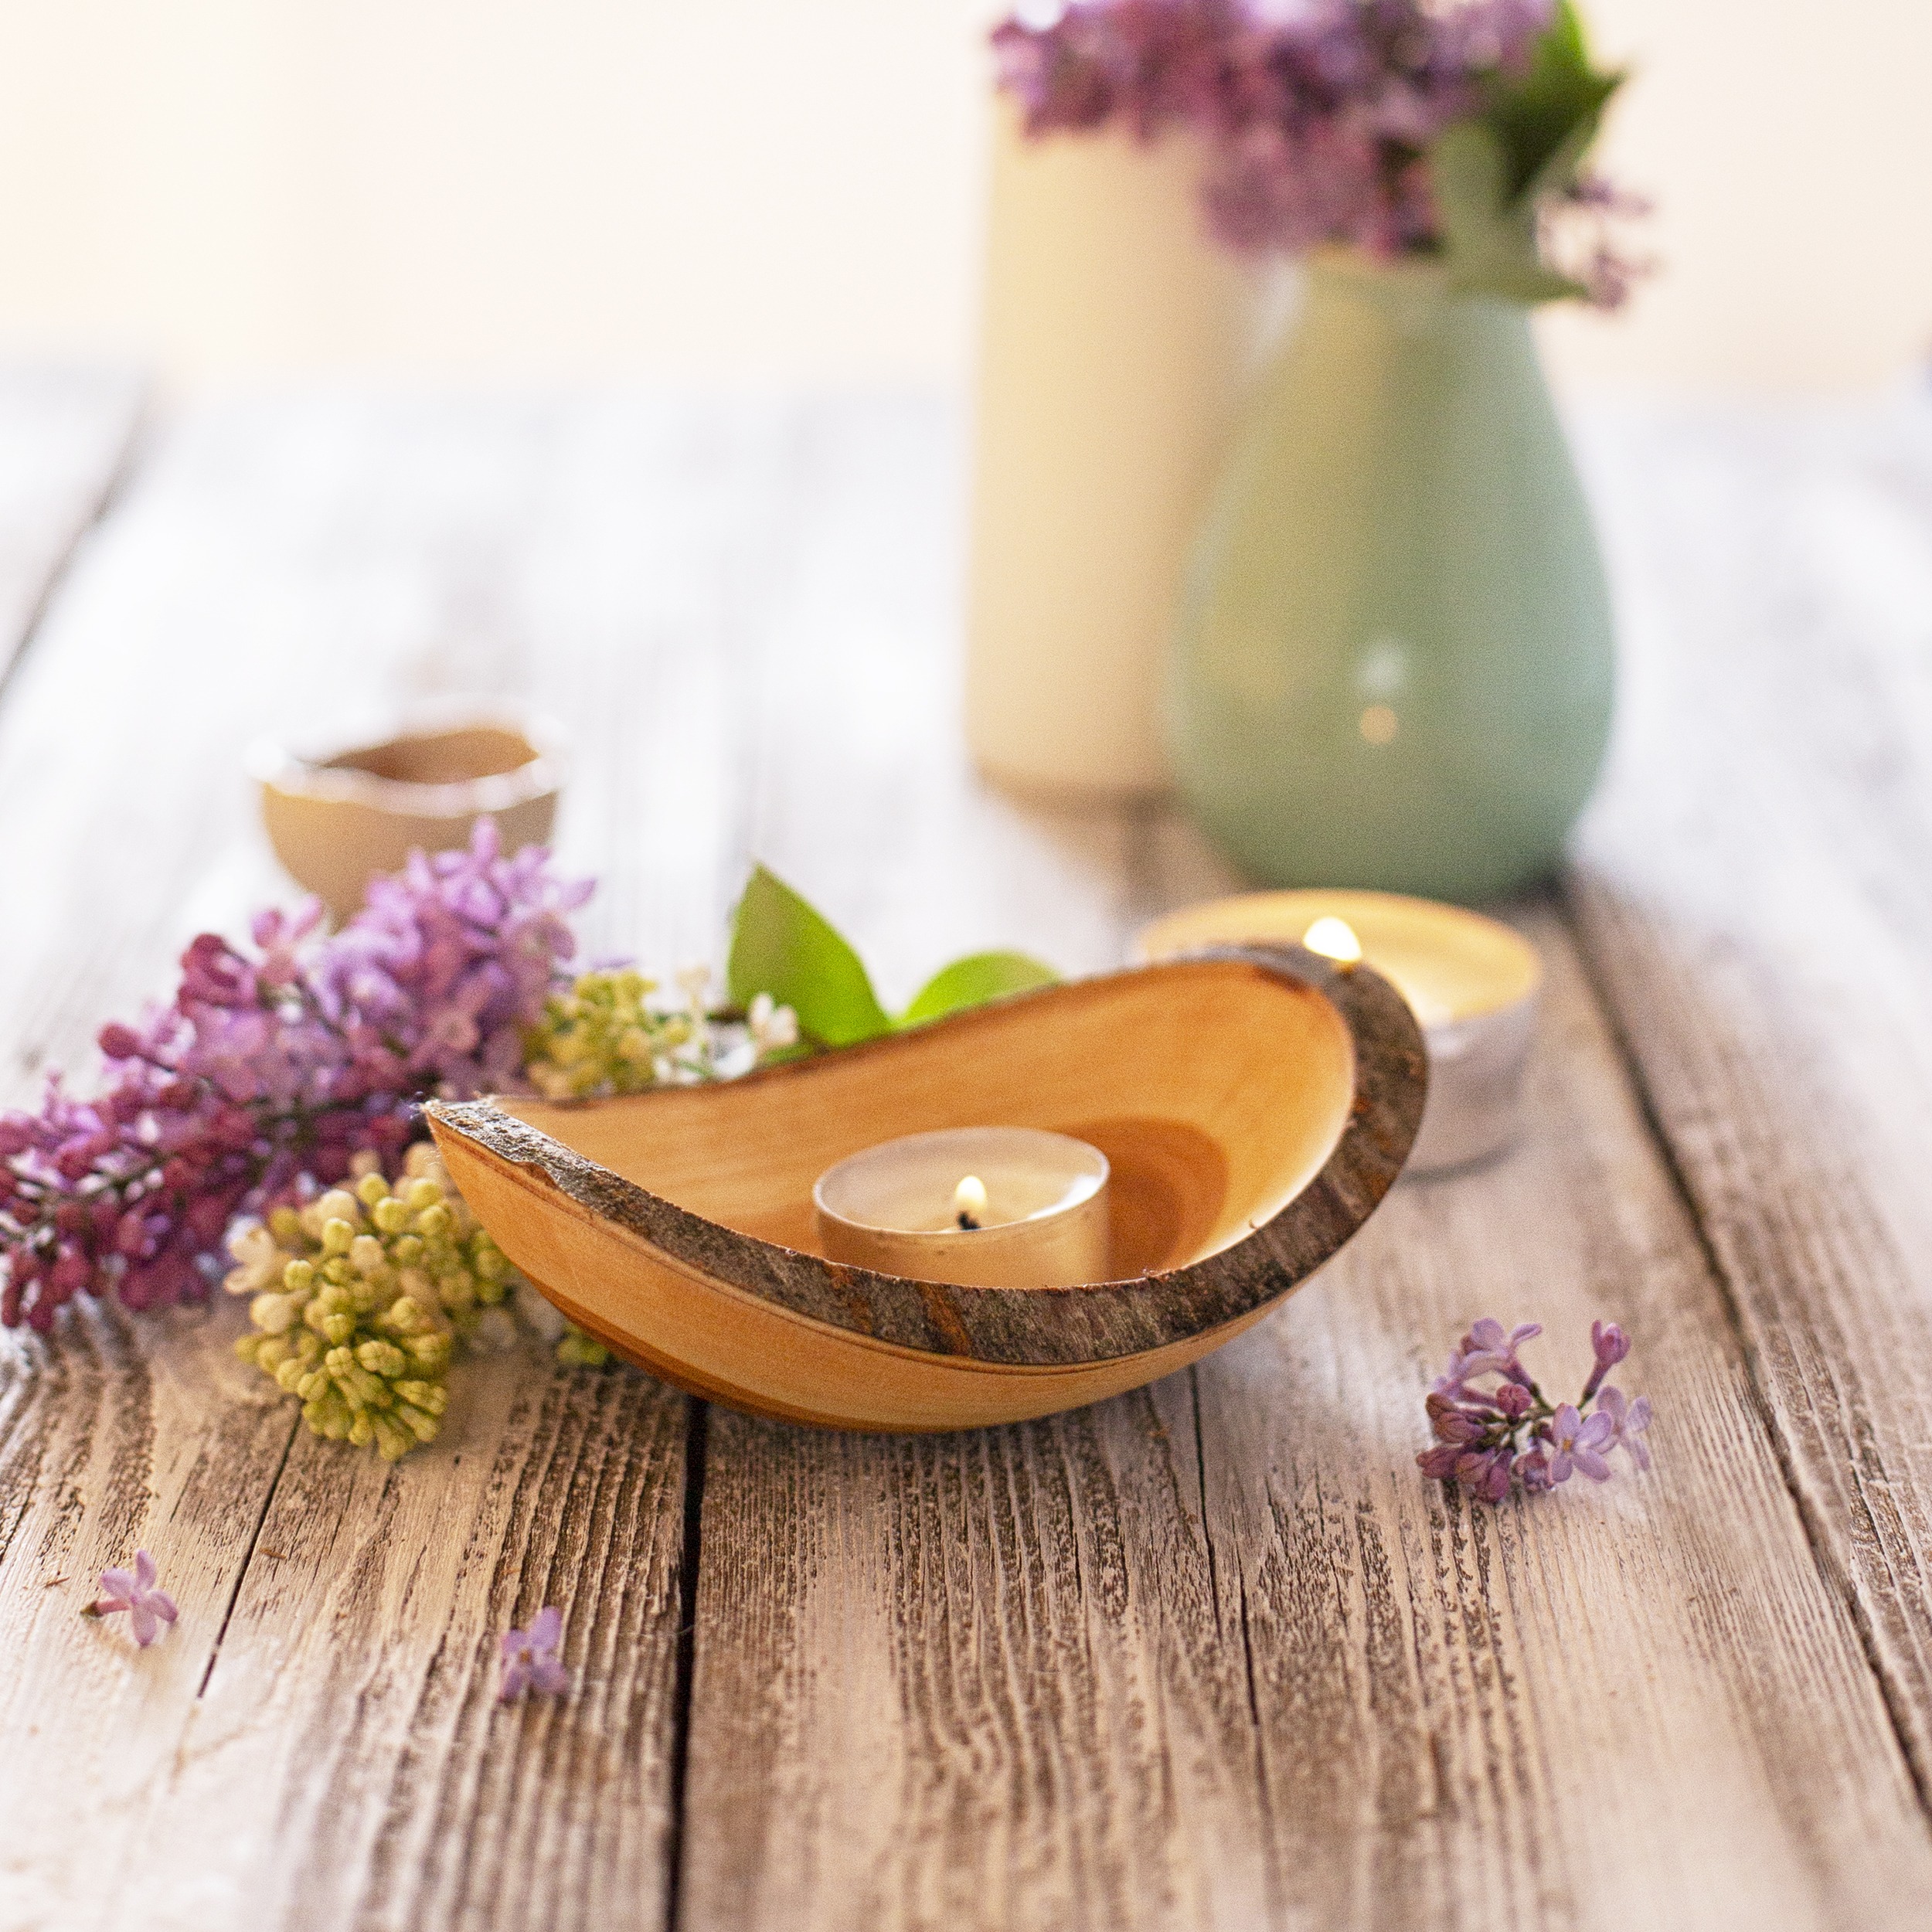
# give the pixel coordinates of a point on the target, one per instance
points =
(972, 982)
(1546, 119)
(1491, 173)
(782, 946)
(1489, 241)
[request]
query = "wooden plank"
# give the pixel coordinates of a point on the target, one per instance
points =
(349, 1764)
(1214, 1654)
(274, 566)
(1756, 898)
(65, 435)
(859, 787)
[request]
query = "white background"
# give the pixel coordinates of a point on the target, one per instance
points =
(777, 191)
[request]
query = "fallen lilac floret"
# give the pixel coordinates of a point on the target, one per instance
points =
(530, 1661)
(1509, 1433)
(1610, 1345)
(1628, 1422)
(1485, 1473)
(1577, 1442)
(134, 1591)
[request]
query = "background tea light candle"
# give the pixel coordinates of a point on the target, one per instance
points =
(1010, 1207)
(1472, 982)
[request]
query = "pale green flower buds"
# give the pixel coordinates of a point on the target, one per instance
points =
(579, 1350)
(603, 1036)
(371, 1283)
(359, 1296)
(273, 1314)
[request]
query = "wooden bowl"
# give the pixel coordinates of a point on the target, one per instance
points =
(336, 821)
(1256, 1105)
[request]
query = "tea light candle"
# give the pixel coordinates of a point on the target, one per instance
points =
(997, 1207)
(1472, 982)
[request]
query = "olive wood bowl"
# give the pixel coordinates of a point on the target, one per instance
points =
(1256, 1105)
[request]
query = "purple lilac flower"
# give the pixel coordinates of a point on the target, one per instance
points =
(1489, 1438)
(1577, 1443)
(1319, 111)
(1628, 1422)
(1486, 1473)
(1147, 61)
(134, 1591)
(1609, 1345)
(1513, 1399)
(271, 1068)
(530, 1659)
(1318, 114)
(1581, 236)
(1487, 1348)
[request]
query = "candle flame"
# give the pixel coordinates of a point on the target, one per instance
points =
(969, 1202)
(1334, 939)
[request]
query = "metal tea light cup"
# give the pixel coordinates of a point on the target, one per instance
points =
(995, 1207)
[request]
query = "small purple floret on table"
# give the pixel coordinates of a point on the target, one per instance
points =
(134, 1591)
(1488, 1439)
(530, 1661)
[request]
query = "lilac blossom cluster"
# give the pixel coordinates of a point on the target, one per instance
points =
(274, 1066)
(1489, 1438)
(1317, 115)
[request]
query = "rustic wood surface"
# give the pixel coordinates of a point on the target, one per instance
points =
(1755, 895)
(1209, 1655)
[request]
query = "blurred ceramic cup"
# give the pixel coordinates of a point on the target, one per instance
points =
(1473, 983)
(338, 818)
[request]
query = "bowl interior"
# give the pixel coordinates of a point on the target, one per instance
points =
(440, 757)
(1216, 1088)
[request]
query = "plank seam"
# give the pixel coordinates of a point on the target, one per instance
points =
(1835, 1579)
(135, 446)
(697, 1430)
(248, 1556)
(1200, 1472)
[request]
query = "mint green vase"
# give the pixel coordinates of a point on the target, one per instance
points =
(1393, 660)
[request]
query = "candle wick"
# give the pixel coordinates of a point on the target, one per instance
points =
(969, 1203)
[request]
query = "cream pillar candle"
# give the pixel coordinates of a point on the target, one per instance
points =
(1116, 337)
(1001, 1207)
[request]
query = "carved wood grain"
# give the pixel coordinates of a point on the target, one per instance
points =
(66, 435)
(994, 1055)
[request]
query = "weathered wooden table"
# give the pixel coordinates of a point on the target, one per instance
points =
(1213, 1655)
